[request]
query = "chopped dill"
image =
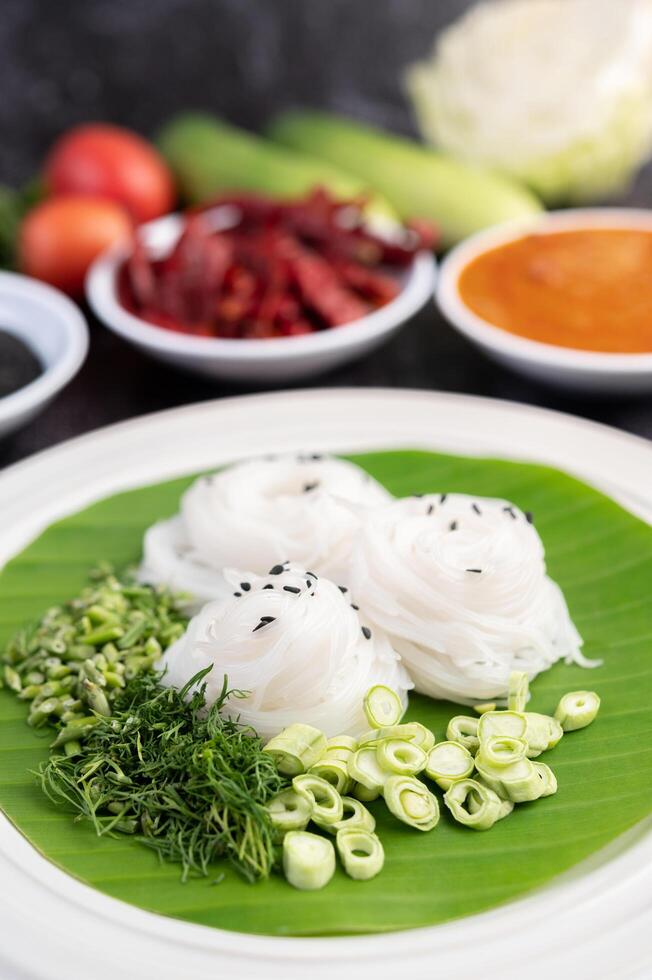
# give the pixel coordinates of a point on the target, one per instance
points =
(189, 783)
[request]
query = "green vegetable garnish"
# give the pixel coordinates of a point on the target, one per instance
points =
(73, 664)
(191, 784)
(577, 709)
(308, 860)
(382, 706)
(519, 690)
(360, 852)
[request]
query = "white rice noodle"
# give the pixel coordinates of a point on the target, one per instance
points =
(295, 643)
(305, 509)
(460, 586)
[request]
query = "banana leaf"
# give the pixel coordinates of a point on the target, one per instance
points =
(602, 557)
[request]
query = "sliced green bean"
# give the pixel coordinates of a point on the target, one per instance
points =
(485, 706)
(335, 772)
(518, 690)
(308, 860)
(541, 733)
(577, 709)
(361, 853)
(464, 729)
(447, 762)
(411, 802)
(395, 755)
(364, 768)
(325, 801)
(289, 810)
(410, 731)
(510, 723)
(382, 706)
(475, 805)
(501, 750)
(296, 748)
(518, 782)
(548, 778)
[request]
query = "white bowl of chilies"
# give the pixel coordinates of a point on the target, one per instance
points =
(250, 289)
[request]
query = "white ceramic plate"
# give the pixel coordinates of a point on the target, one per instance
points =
(579, 370)
(267, 361)
(600, 914)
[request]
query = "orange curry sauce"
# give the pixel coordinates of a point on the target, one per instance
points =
(589, 289)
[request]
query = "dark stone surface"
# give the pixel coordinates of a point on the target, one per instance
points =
(137, 62)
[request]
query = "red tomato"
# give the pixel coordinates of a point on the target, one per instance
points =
(111, 162)
(59, 238)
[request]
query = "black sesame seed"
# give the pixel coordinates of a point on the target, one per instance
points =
(442, 498)
(291, 588)
(510, 510)
(276, 570)
(529, 517)
(307, 487)
(343, 588)
(366, 632)
(417, 495)
(353, 606)
(430, 509)
(316, 456)
(312, 574)
(477, 571)
(264, 620)
(237, 594)
(268, 586)
(475, 508)
(245, 586)
(452, 526)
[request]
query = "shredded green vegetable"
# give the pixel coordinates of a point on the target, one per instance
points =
(72, 665)
(191, 784)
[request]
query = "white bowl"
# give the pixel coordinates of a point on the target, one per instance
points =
(561, 366)
(268, 361)
(54, 329)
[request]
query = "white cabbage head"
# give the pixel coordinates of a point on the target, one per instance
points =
(557, 93)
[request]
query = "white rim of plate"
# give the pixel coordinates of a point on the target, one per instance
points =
(594, 912)
(487, 334)
(60, 372)
(419, 281)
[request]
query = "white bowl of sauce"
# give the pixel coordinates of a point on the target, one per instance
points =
(43, 343)
(564, 298)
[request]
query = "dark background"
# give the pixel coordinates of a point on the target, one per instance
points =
(138, 62)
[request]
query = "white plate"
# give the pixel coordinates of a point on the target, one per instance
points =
(594, 922)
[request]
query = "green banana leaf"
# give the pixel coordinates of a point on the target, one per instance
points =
(602, 557)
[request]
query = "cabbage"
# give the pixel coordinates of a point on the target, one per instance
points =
(557, 93)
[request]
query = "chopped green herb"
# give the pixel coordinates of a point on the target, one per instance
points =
(191, 784)
(76, 660)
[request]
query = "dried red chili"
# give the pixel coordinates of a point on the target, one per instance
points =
(282, 269)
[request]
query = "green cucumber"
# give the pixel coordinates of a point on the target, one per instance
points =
(209, 157)
(418, 182)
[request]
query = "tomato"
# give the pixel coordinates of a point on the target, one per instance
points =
(111, 162)
(59, 238)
